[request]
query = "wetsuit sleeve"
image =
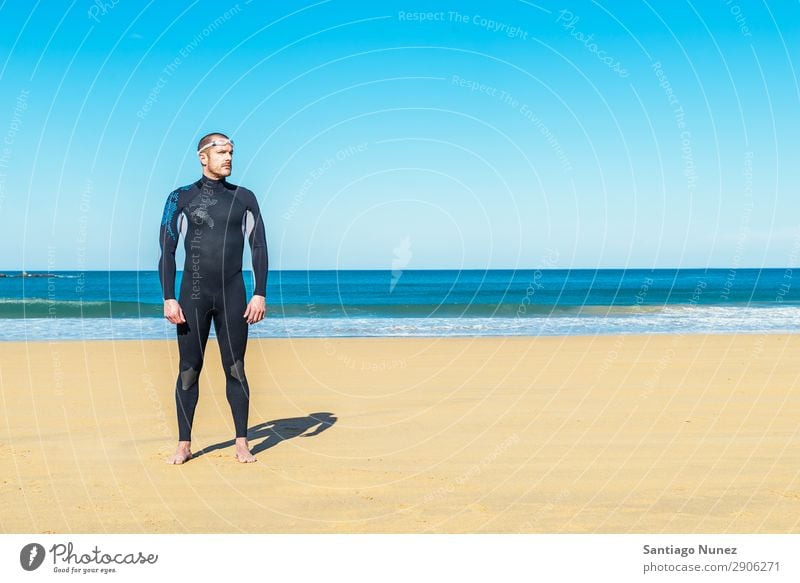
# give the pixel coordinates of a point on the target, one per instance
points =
(168, 239)
(258, 247)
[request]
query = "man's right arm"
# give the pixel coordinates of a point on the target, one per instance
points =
(168, 240)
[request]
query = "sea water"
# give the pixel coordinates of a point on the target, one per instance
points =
(128, 304)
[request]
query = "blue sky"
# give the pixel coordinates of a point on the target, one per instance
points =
(450, 134)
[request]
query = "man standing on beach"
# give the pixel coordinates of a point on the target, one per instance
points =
(214, 216)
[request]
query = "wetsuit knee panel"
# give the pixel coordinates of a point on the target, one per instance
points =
(237, 371)
(189, 378)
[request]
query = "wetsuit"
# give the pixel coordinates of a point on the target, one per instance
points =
(214, 217)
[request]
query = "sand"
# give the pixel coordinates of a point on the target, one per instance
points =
(613, 434)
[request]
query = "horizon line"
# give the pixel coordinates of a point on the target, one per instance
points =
(18, 272)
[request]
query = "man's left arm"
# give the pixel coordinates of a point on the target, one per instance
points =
(256, 308)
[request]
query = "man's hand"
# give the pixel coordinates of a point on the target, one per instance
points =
(173, 312)
(256, 309)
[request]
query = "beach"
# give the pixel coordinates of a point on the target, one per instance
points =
(562, 434)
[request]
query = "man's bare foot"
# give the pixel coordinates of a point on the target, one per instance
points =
(243, 454)
(182, 454)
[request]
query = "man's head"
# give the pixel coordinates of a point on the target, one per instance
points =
(216, 155)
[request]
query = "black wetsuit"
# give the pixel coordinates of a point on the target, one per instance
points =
(215, 215)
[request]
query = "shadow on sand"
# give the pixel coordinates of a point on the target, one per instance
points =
(271, 433)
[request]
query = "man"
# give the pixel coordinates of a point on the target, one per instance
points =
(215, 215)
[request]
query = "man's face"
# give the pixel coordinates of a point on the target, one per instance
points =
(217, 160)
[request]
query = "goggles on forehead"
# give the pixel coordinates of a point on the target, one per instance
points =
(215, 143)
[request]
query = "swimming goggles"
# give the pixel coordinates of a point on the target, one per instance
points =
(215, 143)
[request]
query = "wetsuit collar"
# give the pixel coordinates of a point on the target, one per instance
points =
(211, 183)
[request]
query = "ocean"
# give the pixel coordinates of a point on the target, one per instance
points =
(547, 302)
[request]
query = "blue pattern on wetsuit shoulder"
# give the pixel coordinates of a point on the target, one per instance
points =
(169, 212)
